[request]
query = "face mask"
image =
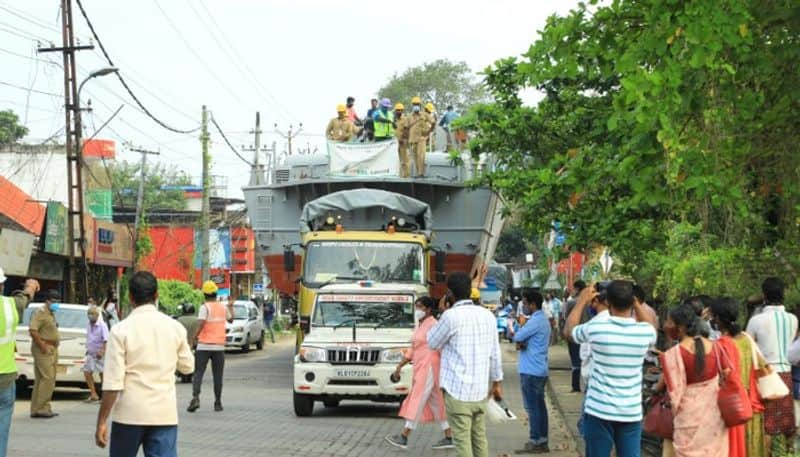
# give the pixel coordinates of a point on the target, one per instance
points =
(419, 314)
(415, 108)
(54, 307)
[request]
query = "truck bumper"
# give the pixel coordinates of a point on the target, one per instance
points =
(367, 382)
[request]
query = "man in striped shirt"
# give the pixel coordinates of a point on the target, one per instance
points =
(618, 344)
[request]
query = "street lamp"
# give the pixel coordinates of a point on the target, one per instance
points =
(84, 268)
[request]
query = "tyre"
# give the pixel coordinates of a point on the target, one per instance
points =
(246, 344)
(331, 403)
(303, 405)
(260, 342)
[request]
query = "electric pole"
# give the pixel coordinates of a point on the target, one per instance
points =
(257, 171)
(289, 136)
(204, 216)
(78, 269)
(139, 200)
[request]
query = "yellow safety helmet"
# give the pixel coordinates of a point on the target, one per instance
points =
(399, 107)
(429, 107)
(416, 101)
(475, 294)
(209, 288)
(340, 108)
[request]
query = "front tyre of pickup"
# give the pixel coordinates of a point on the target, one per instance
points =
(303, 405)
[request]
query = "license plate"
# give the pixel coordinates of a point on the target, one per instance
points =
(345, 373)
(61, 369)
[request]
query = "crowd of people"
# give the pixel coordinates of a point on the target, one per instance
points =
(384, 122)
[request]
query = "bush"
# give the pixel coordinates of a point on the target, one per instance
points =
(172, 293)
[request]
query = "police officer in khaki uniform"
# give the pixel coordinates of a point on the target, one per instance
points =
(401, 133)
(44, 347)
(419, 127)
(340, 128)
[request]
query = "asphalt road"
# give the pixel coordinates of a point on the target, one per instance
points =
(259, 420)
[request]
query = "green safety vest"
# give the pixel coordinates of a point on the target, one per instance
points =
(8, 334)
(384, 129)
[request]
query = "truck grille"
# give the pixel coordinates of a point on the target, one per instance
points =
(349, 356)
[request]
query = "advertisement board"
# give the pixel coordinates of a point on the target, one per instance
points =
(112, 244)
(219, 248)
(363, 159)
(99, 203)
(15, 251)
(55, 229)
(48, 267)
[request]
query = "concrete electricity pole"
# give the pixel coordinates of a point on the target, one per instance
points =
(257, 171)
(204, 216)
(289, 136)
(139, 200)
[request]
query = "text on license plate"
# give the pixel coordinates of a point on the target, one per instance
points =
(350, 373)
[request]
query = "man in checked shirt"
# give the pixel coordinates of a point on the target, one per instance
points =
(467, 337)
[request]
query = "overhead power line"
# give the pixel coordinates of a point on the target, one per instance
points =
(219, 129)
(122, 79)
(27, 19)
(52, 94)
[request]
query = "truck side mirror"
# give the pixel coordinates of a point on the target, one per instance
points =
(439, 264)
(288, 260)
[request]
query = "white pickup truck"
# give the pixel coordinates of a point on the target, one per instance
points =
(358, 334)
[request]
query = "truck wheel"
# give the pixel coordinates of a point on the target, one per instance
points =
(260, 342)
(303, 405)
(331, 403)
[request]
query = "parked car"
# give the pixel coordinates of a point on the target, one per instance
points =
(247, 327)
(72, 321)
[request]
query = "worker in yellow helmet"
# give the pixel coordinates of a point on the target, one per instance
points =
(340, 128)
(419, 128)
(431, 112)
(401, 133)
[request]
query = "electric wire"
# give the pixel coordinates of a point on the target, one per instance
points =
(29, 20)
(219, 129)
(122, 79)
(52, 94)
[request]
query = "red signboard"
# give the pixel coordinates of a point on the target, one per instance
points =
(242, 250)
(99, 149)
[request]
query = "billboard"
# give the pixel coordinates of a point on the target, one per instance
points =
(15, 251)
(56, 230)
(112, 244)
(363, 159)
(219, 248)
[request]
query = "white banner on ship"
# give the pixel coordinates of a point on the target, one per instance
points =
(363, 159)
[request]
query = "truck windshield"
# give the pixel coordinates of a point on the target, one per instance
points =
(376, 261)
(385, 311)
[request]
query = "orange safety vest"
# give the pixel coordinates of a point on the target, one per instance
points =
(214, 330)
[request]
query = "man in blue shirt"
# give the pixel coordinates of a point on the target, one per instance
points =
(533, 340)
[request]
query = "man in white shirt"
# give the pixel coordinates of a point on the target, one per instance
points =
(143, 353)
(466, 335)
(774, 330)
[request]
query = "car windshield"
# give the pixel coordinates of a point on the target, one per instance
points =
(240, 312)
(65, 317)
(376, 261)
(340, 310)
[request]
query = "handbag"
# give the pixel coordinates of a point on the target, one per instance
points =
(497, 412)
(770, 385)
(732, 399)
(658, 420)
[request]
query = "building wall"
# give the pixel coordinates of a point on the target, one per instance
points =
(173, 253)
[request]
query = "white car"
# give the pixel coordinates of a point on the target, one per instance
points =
(247, 327)
(72, 322)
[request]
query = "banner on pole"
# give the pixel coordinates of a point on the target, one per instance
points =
(363, 159)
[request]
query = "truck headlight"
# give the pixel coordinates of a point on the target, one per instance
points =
(312, 354)
(392, 355)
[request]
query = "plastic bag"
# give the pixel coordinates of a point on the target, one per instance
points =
(498, 412)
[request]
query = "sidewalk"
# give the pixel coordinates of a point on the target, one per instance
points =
(567, 404)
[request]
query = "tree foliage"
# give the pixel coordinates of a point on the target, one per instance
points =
(172, 294)
(441, 82)
(10, 128)
(126, 176)
(511, 245)
(668, 132)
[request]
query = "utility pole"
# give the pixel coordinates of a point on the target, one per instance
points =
(257, 171)
(289, 136)
(139, 200)
(78, 269)
(204, 216)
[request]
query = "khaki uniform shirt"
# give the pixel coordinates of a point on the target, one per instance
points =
(340, 130)
(401, 130)
(419, 126)
(44, 322)
(143, 352)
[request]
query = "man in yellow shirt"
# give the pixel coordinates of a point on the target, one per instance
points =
(340, 128)
(419, 127)
(401, 133)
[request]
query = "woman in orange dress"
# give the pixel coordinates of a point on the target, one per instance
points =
(425, 402)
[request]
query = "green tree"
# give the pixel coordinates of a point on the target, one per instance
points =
(667, 132)
(10, 129)
(441, 82)
(125, 182)
(172, 294)
(511, 245)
